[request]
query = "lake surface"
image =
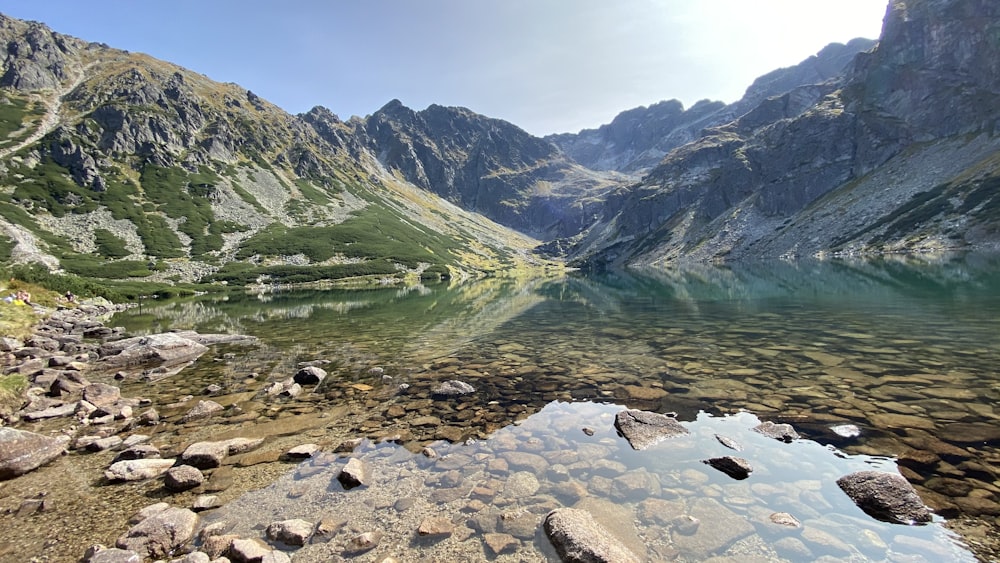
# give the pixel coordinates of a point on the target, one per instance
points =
(904, 349)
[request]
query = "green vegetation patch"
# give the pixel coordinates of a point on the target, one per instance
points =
(109, 245)
(12, 114)
(185, 196)
(372, 233)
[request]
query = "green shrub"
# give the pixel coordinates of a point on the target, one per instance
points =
(109, 245)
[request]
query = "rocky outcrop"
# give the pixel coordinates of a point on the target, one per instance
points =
(885, 496)
(161, 533)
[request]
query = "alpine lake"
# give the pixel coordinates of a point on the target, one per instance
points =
(887, 364)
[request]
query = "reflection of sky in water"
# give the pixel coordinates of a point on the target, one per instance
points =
(798, 478)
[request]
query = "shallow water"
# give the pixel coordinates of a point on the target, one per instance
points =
(904, 349)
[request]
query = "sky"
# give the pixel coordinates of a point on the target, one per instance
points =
(548, 66)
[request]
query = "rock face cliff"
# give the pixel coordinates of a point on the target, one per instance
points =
(638, 139)
(901, 154)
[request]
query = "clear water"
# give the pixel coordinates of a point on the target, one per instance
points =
(904, 349)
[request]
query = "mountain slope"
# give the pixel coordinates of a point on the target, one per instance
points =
(637, 139)
(120, 165)
(902, 155)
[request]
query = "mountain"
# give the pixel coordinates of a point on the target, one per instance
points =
(636, 140)
(488, 166)
(901, 154)
(119, 165)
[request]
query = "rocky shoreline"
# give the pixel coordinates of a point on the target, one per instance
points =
(74, 361)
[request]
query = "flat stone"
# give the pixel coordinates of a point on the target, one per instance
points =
(785, 519)
(137, 469)
(970, 433)
(500, 543)
(22, 451)
(101, 394)
(885, 496)
(114, 555)
(643, 429)
(363, 542)
(58, 411)
(436, 526)
(521, 484)
(729, 443)
(525, 461)
(719, 528)
(161, 533)
(290, 532)
(205, 502)
(303, 451)
(248, 550)
(140, 451)
(203, 409)
(206, 455)
(783, 432)
(577, 537)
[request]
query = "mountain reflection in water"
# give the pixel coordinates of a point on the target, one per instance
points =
(903, 348)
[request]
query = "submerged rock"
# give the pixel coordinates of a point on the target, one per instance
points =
(206, 455)
(885, 496)
(290, 532)
(454, 388)
(22, 451)
(578, 538)
(166, 349)
(309, 375)
(642, 429)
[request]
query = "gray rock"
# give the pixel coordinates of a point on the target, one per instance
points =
(435, 527)
(301, 452)
(718, 528)
(500, 543)
(195, 557)
(112, 555)
(309, 375)
(205, 502)
(846, 430)
(137, 469)
(363, 542)
(147, 512)
(579, 539)
(735, 467)
(206, 455)
(140, 451)
(729, 442)
(203, 409)
(290, 532)
(67, 409)
(244, 550)
(356, 473)
(182, 478)
(454, 388)
(161, 533)
(885, 496)
(101, 394)
(167, 349)
(101, 444)
(22, 451)
(643, 429)
(783, 432)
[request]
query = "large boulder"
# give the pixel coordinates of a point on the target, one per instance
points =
(885, 496)
(165, 349)
(160, 534)
(22, 451)
(309, 375)
(578, 538)
(642, 429)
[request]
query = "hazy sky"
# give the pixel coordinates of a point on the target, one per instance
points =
(548, 66)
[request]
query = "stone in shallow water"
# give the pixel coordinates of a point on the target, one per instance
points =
(643, 429)
(500, 543)
(436, 527)
(356, 473)
(363, 542)
(578, 537)
(846, 430)
(206, 455)
(22, 451)
(182, 478)
(885, 496)
(735, 467)
(783, 432)
(720, 528)
(161, 533)
(290, 532)
(137, 469)
(729, 442)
